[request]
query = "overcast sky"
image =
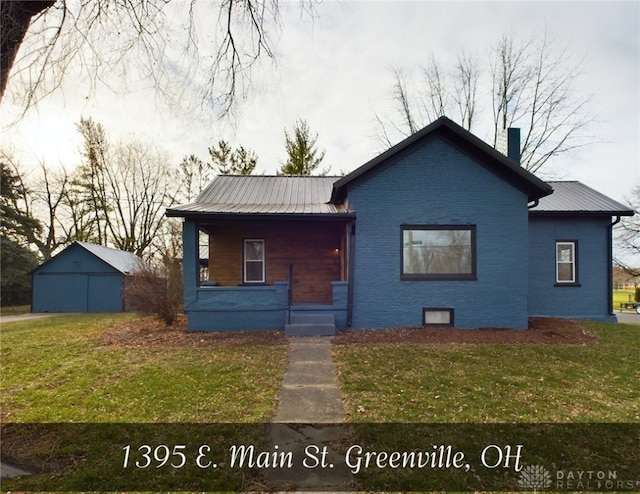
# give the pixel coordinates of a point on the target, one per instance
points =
(334, 71)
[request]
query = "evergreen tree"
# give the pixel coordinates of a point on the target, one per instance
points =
(15, 223)
(16, 227)
(303, 156)
(228, 161)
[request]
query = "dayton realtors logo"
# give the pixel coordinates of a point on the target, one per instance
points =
(536, 477)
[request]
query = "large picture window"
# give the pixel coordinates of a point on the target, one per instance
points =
(254, 261)
(438, 252)
(566, 265)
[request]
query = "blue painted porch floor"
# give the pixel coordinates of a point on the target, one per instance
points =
(311, 323)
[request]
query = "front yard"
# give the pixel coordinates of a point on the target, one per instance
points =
(92, 370)
(405, 382)
(66, 369)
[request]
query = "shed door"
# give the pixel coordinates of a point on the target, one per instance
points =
(61, 293)
(104, 293)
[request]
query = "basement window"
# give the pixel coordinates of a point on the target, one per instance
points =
(437, 317)
(254, 261)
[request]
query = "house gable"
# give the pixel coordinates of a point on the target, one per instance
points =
(445, 129)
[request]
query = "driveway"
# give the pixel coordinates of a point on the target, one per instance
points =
(628, 317)
(30, 316)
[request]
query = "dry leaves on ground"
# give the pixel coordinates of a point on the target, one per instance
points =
(151, 332)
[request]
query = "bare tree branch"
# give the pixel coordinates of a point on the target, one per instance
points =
(532, 85)
(177, 48)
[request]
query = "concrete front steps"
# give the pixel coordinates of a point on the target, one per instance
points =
(309, 323)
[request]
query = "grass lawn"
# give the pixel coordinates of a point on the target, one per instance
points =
(15, 310)
(59, 370)
(622, 296)
(495, 383)
(406, 397)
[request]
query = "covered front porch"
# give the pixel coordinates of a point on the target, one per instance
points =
(265, 273)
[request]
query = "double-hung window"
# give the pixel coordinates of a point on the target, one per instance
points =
(438, 252)
(566, 264)
(254, 261)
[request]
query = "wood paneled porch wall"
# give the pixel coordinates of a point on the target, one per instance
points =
(317, 250)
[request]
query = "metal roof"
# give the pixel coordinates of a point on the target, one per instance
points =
(578, 199)
(125, 262)
(264, 195)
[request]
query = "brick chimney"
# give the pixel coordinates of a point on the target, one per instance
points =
(508, 143)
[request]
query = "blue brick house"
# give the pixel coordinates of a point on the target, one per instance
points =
(440, 230)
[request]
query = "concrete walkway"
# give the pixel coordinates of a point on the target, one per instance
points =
(310, 395)
(30, 316)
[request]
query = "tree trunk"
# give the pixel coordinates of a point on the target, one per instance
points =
(15, 17)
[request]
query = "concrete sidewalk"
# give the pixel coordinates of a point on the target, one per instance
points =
(310, 395)
(310, 392)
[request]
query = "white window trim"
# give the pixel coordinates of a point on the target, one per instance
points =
(245, 261)
(573, 262)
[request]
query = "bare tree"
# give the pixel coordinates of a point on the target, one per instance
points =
(437, 93)
(140, 188)
(127, 186)
(193, 174)
(171, 44)
(531, 85)
(466, 76)
(629, 234)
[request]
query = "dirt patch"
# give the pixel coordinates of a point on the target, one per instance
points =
(150, 332)
(543, 330)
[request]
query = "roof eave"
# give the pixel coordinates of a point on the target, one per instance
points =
(626, 212)
(204, 215)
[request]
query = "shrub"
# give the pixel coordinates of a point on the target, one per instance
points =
(156, 290)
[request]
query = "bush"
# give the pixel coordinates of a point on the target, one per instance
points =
(156, 291)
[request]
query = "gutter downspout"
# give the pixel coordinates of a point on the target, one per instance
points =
(610, 264)
(352, 238)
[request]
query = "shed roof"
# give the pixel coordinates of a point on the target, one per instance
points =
(575, 198)
(125, 262)
(229, 195)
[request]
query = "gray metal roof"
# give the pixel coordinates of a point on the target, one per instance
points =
(125, 262)
(578, 199)
(270, 195)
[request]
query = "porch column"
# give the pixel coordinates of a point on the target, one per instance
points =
(190, 261)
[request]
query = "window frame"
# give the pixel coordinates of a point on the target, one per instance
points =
(450, 310)
(245, 281)
(471, 276)
(574, 250)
